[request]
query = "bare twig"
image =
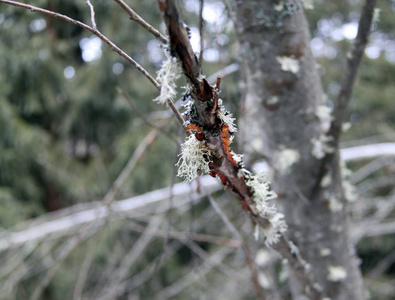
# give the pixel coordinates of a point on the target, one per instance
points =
(347, 83)
(251, 263)
(135, 17)
(89, 28)
(201, 28)
(92, 11)
(144, 118)
(184, 237)
(122, 177)
(96, 32)
(83, 275)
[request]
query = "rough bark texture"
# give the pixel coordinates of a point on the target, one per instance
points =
(283, 105)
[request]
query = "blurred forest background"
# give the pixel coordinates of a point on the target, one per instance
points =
(66, 134)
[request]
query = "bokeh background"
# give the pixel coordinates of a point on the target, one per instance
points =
(67, 130)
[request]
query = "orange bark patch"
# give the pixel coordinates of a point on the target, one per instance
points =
(226, 143)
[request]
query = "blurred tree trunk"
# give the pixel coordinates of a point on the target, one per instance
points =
(281, 101)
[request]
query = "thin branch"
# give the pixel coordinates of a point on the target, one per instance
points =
(123, 176)
(144, 118)
(201, 28)
(92, 11)
(96, 32)
(135, 17)
(89, 28)
(346, 87)
(199, 237)
(247, 252)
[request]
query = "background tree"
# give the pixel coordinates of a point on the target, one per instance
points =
(67, 135)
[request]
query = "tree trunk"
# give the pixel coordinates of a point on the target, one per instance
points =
(283, 98)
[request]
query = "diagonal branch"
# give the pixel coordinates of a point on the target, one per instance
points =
(135, 17)
(96, 32)
(347, 83)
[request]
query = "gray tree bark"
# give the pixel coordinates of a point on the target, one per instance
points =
(282, 101)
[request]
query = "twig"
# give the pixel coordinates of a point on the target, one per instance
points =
(92, 11)
(64, 253)
(135, 17)
(123, 176)
(96, 32)
(251, 263)
(218, 240)
(346, 87)
(143, 117)
(89, 28)
(83, 274)
(201, 27)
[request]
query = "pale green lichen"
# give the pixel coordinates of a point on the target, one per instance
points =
(336, 273)
(288, 64)
(308, 4)
(166, 76)
(227, 118)
(284, 159)
(321, 146)
(376, 15)
(262, 195)
(194, 158)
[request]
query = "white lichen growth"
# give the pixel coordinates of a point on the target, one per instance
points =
(336, 273)
(325, 252)
(288, 64)
(335, 205)
(327, 180)
(324, 113)
(284, 159)
(376, 15)
(262, 195)
(350, 192)
(226, 117)
(263, 257)
(272, 100)
(308, 4)
(279, 6)
(321, 146)
(194, 157)
(166, 76)
(346, 126)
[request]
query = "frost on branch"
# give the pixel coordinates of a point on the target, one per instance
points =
(194, 157)
(262, 196)
(167, 75)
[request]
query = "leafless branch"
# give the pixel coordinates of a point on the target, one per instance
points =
(251, 263)
(92, 11)
(346, 86)
(201, 28)
(123, 176)
(96, 32)
(137, 18)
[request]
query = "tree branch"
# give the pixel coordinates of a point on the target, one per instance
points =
(347, 83)
(135, 17)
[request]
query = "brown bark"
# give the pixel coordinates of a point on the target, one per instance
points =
(282, 106)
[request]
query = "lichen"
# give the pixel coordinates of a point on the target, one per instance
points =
(324, 113)
(166, 76)
(321, 146)
(284, 159)
(194, 157)
(288, 64)
(308, 4)
(262, 195)
(336, 273)
(227, 118)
